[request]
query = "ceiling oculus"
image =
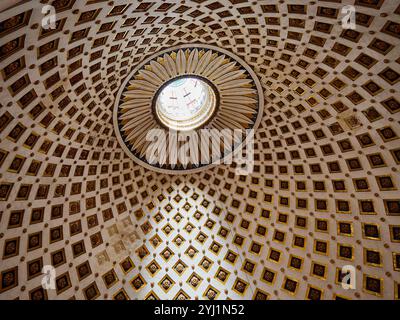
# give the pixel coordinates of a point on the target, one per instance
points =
(185, 88)
(185, 103)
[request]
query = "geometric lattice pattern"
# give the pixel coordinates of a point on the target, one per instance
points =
(324, 192)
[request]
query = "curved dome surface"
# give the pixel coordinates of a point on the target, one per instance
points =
(323, 194)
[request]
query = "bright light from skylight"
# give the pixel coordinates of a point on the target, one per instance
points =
(185, 103)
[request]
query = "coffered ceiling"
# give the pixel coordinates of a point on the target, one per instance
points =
(323, 194)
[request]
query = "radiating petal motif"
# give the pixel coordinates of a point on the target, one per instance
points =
(192, 61)
(142, 84)
(229, 76)
(139, 93)
(236, 107)
(239, 92)
(181, 62)
(204, 61)
(151, 77)
(222, 70)
(160, 70)
(238, 96)
(170, 64)
(213, 65)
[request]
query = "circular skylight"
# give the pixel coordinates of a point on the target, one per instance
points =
(185, 103)
(185, 88)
